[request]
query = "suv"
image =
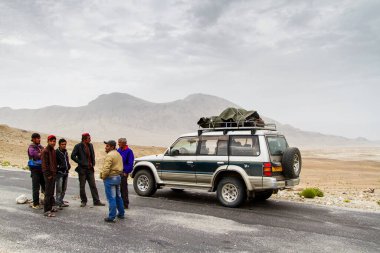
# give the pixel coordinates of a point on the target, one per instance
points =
(236, 162)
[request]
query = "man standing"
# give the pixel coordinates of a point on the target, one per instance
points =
(128, 159)
(49, 168)
(110, 173)
(34, 154)
(84, 155)
(63, 167)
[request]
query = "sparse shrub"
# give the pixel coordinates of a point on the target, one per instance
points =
(378, 202)
(311, 193)
(5, 163)
(308, 193)
(318, 192)
(346, 201)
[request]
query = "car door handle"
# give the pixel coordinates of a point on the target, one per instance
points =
(220, 163)
(190, 162)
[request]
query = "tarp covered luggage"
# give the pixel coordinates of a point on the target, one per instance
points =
(232, 117)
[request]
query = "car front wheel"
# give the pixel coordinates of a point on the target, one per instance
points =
(144, 183)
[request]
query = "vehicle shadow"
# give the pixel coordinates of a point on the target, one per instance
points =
(202, 198)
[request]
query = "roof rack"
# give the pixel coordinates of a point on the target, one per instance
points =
(233, 126)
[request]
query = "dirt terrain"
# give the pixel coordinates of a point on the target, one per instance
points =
(347, 176)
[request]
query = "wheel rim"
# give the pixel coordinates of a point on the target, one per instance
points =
(143, 183)
(230, 192)
(296, 164)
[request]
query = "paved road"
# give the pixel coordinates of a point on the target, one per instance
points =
(181, 222)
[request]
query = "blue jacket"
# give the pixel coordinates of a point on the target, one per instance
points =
(128, 159)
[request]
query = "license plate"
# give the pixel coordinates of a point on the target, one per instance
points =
(277, 169)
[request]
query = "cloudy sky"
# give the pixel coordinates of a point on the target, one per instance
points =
(312, 64)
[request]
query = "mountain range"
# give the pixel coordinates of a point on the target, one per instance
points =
(146, 123)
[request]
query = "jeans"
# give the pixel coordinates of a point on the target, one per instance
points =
(88, 175)
(60, 187)
(124, 190)
(37, 183)
(112, 189)
(49, 192)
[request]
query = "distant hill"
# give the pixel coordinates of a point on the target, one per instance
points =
(145, 123)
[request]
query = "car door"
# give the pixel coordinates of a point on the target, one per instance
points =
(245, 153)
(212, 154)
(178, 163)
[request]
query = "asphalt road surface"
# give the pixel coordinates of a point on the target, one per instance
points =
(180, 222)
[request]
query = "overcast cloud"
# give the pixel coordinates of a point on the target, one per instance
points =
(312, 64)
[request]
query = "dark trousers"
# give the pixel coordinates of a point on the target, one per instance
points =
(124, 190)
(49, 192)
(38, 183)
(88, 175)
(60, 188)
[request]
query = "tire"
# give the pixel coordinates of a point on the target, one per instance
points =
(231, 192)
(144, 183)
(262, 196)
(291, 163)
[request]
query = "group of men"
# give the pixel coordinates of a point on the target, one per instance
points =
(50, 169)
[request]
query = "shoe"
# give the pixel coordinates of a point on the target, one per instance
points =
(126, 207)
(59, 207)
(37, 207)
(99, 204)
(83, 204)
(109, 220)
(121, 217)
(64, 205)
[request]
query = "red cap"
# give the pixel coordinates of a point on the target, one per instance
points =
(51, 137)
(85, 134)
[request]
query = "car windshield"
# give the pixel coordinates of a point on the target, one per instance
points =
(277, 144)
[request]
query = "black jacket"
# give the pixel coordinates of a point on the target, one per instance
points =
(79, 155)
(63, 163)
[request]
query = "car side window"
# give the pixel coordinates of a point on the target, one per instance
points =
(244, 146)
(213, 146)
(186, 146)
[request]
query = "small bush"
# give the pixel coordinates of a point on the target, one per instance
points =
(308, 193)
(318, 192)
(346, 201)
(5, 163)
(312, 193)
(378, 202)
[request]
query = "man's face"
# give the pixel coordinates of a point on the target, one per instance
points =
(52, 143)
(36, 141)
(108, 148)
(87, 139)
(62, 146)
(122, 144)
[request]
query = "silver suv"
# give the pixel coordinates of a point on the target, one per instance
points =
(236, 162)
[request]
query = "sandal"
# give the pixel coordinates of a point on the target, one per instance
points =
(54, 210)
(49, 214)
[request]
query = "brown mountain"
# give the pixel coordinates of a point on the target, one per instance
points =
(143, 122)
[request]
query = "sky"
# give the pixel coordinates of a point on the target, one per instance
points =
(312, 64)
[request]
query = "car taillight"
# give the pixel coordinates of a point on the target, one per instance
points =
(267, 169)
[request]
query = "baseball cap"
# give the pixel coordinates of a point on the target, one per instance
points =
(111, 143)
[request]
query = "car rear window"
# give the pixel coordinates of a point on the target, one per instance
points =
(277, 144)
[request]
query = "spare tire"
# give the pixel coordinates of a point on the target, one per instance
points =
(291, 163)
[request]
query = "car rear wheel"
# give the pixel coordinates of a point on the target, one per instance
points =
(262, 196)
(231, 192)
(144, 183)
(292, 163)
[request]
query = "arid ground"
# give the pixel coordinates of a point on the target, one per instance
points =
(349, 177)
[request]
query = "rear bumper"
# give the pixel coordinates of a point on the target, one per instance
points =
(273, 183)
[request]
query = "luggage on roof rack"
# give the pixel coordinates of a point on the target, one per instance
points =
(233, 117)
